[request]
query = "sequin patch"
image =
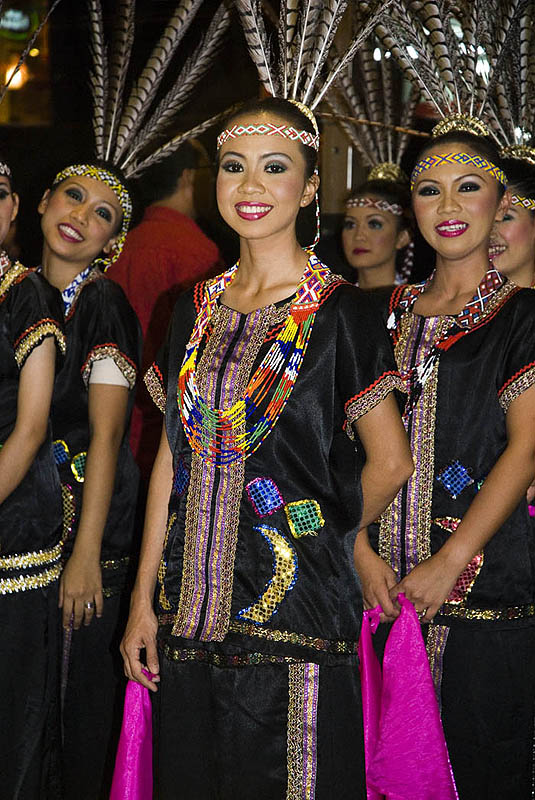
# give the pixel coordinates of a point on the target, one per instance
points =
(466, 580)
(304, 518)
(455, 478)
(181, 479)
(283, 578)
(78, 466)
(264, 495)
(447, 523)
(61, 451)
(69, 510)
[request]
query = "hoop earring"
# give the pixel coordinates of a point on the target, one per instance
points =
(318, 221)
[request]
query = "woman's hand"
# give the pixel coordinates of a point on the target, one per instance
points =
(141, 634)
(80, 591)
(428, 585)
(376, 577)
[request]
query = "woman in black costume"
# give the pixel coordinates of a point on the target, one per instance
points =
(457, 539)
(85, 216)
(31, 339)
(284, 382)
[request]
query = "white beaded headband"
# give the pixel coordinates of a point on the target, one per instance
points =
(268, 129)
(526, 202)
(380, 205)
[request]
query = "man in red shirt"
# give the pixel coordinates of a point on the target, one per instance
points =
(163, 256)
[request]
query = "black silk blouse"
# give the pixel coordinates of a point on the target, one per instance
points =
(30, 517)
(258, 556)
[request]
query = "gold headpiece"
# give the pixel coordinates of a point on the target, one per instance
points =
(387, 171)
(460, 122)
(519, 151)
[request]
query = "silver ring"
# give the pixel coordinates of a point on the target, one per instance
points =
(89, 605)
(422, 613)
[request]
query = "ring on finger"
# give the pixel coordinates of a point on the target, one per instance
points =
(89, 605)
(422, 613)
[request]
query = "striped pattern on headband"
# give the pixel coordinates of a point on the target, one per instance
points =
(526, 202)
(457, 158)
(268, 129)
(369, 202)
(120, 191)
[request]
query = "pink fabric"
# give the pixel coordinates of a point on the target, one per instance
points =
(371, 682)
(406, 753)
(132, 776)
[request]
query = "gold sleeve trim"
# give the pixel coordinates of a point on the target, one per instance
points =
(127, 367)
(154, 383)
(371, 397)
(516, 387)
(34, 336)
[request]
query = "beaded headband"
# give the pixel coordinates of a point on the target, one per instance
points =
(120, 191)
(526, 202)
(4, 169)
(268, 129)
(457, 158)
(369, 202)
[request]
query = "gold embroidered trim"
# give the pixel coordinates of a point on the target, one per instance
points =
(512, 612)
(34, 336)
(415, 536)
(303, 686)
(155, 388)
(517, 387)
(437, 636)
(370, 398)
(36, 558)
(24, 583)
(101, 351)
(10, 277)
(223, 660)
(115, 563)
(289, 637)
(215, 559)
(162, 569)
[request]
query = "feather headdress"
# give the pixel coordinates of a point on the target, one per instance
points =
(128, 132)
(513, 97)
(304, 68)
(454, 52)
(371, 90)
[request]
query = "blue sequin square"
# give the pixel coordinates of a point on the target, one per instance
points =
(454, 478)
(181, 479)
(264, 496)
(61, 451)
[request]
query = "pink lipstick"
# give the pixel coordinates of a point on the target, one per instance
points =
(451, 227)
(252, 211)
(358, 251)
(69, 233)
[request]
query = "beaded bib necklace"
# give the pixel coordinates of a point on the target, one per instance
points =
(221, 436)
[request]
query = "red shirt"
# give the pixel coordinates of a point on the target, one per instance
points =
(163, 256)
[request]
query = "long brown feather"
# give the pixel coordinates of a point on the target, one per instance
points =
(121, 49)
(147, 84)
(380, 9)
(190, 76)
(133, 169)
(257, 43)
(98, 78)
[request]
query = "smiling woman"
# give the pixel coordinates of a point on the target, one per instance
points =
(457, 540)
(271, 373)
(84, 219)
(31, 344)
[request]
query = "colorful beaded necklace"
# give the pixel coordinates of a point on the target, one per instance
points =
(220, 436)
